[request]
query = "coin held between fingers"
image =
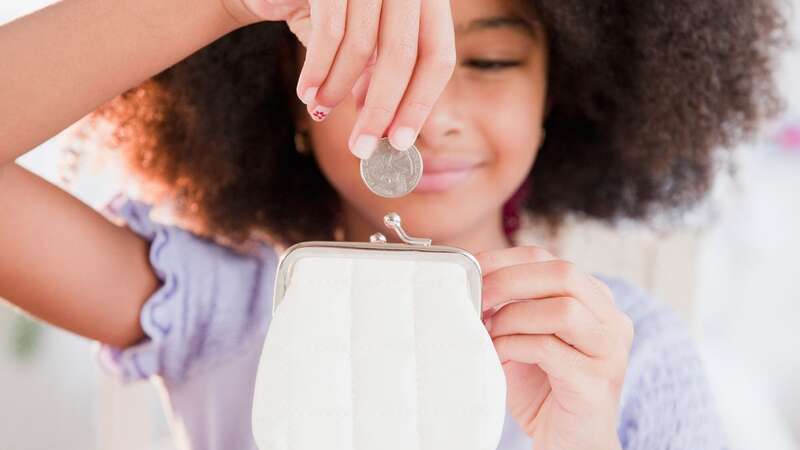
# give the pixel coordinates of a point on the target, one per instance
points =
(392, 173)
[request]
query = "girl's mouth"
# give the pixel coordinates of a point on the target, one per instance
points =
(441, 174)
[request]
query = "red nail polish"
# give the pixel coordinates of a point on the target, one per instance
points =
(320, 113)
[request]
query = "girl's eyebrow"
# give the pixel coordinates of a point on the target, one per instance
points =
(495, 22)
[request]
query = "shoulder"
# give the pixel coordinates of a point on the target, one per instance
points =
(176, 252)
(147, 220)
(666, 400)
(211, 302)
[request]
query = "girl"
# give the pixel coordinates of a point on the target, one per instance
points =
(609, 109)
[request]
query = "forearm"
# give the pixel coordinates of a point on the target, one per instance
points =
(61, 62)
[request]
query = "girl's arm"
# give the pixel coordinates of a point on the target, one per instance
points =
(67, 264)
(61, 62)
(59, 259)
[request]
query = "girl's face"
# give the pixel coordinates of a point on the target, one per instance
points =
(489, 118)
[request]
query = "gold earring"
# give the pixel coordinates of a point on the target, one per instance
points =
(302, 142)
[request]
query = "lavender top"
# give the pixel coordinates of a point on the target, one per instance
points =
(206, 323)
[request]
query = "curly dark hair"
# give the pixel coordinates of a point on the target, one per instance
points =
(643, 96)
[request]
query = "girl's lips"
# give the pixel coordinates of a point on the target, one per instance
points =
(435, 164)
(440, 174)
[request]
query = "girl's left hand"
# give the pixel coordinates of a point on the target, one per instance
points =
(563, 345)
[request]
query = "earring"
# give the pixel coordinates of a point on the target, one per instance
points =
(513, 208)
(302, 142)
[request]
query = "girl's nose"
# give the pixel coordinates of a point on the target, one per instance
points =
(444, 122)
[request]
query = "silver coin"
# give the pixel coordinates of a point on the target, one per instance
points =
(392, 173)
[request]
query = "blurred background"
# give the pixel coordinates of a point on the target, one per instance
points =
(731, 271)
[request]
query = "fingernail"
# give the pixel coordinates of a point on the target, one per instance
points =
(365, 145)
(403, 138)
(309, 95)
(320, 113)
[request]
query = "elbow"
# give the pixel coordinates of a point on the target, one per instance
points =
(124, 336)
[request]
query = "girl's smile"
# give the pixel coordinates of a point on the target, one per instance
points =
(442, 173)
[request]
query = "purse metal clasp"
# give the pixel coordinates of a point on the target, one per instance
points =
(393, 221)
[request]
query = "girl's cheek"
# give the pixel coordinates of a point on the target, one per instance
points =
(510, 116)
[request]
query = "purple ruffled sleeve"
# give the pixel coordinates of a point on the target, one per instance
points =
(211, 303)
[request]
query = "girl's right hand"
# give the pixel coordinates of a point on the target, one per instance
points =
(406, 46)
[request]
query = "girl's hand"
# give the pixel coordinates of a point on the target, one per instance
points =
(563, 345)
(395, 56)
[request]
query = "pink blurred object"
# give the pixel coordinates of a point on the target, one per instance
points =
(788, 139)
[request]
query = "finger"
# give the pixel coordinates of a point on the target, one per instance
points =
(362, 84)
(328, 19)
(492, 260)
(360, 88)
(564, 317)
(601, 286)
(398, 41)
(300, 26)
(436, 61)
(554, 356)
(556, 278)
(355, 51)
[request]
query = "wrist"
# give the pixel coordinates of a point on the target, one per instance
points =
(607, 439)
(612, 442)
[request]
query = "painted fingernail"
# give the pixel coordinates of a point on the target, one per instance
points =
(309, 95)
(320, 113)
(364, 145)
(403, 138)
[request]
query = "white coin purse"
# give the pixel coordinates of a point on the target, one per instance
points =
(378, 346)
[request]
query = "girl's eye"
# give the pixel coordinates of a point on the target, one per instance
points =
(491, 64)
